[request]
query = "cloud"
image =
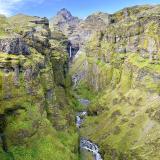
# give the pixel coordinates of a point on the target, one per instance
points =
(7, 7)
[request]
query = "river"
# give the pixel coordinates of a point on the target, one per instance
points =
(86, 144)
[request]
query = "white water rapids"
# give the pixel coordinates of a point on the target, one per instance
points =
(84, 143)
(89, 146)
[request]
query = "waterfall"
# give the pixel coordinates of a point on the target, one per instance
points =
(91, 147)
(79, 118)
(84, 143)
(70, 51)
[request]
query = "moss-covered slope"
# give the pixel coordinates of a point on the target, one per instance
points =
(36, 117)
(122, 64)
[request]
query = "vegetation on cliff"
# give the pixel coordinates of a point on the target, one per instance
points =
(122, 65)
(36, 117)
(117, 68)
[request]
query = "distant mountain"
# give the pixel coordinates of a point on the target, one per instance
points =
(65, 22)
(43, 91)
(78, 31)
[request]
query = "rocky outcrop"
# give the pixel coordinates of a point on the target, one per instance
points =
(34, 85)
(117, 67)
(79, 31)
(43, 21)
(14, 46)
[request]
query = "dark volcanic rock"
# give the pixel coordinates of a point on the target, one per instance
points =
(14, 46)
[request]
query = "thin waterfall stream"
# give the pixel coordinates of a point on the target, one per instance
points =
(70, 51)
(84, 143)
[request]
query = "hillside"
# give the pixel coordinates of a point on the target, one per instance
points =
(121, 65)
(102, 73)
(36, 118)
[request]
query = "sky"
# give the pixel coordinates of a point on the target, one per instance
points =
(80, 8)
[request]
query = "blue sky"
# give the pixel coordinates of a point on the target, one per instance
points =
(80, 8)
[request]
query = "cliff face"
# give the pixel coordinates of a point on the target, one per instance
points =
(115, 64)
(122, 65)
(35, 116)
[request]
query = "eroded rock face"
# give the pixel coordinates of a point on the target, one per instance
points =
(120, 57)
(43, 21)
(123, 27)
(33, 102)
(123, 68)
(14, 46)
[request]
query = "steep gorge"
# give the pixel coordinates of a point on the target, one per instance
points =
(114, 63)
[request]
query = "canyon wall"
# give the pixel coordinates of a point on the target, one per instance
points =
(36, 117)
(114, 62)
(121, 66)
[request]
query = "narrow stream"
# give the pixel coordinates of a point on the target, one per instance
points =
(84, 143)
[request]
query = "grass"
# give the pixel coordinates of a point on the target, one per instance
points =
(83, 91)
(140, 62)
(123, 131)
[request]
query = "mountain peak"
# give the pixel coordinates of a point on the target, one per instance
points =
(65, 13)
(64, 10)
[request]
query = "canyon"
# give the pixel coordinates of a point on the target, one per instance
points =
(81, 89)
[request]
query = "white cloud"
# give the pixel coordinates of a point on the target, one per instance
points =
(7, 7)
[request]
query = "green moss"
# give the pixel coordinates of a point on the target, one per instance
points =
(86, 155)
(77, 64)
(42, 127)
(140, 62)
(84, 92)
(117, 114)
(4, 25)
(127, 129)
